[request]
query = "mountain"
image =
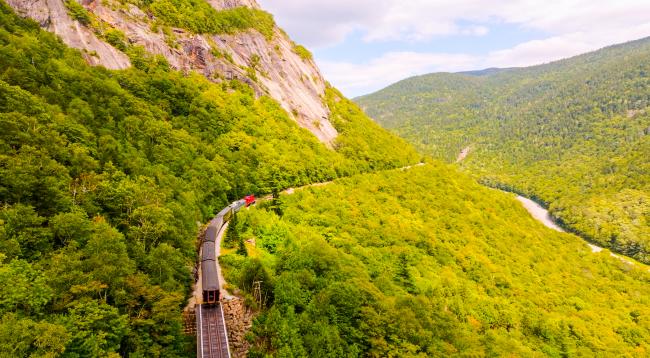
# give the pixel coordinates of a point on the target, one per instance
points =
(209, 37)
(108, 172)
(105, 173)
(425, 262)
(573, 134)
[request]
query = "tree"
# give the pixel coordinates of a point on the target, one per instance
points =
(22, 337)
(96, 328)
(232, 235)
(277, 204)
(241, 248)
(22, 233)
(107, 260)
(22, 288)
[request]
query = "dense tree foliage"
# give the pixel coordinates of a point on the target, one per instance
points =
(200, 17)
(573, 135)
(363, 139)
(428, 263)
(103, 177)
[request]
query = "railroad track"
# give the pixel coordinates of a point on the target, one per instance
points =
(212, 337)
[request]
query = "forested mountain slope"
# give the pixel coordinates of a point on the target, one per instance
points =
(105, 174)
(221, 39)
(573, 134)
(428, 263)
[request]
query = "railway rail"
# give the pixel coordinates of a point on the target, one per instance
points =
(211, 335)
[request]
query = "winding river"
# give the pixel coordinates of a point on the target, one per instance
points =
(542, 215)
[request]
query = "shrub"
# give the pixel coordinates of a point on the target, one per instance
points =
(78, 12)
(302, 52)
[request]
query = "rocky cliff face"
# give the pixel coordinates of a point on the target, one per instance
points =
(229, 4)
(270, 67)
(53, 16)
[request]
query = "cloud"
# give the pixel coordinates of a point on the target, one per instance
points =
(357, 79)
(324, 23)
(321, 23)
(354, 79)
(570, 27)
(561, 46)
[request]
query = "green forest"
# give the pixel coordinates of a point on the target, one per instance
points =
(105, 174)
(573, 135)
(106, 178)
(426, 262)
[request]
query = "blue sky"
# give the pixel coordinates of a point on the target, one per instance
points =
(364, 45)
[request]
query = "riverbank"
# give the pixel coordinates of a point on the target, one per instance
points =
(542, 215)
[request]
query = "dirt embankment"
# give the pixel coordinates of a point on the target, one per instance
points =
(463, 154)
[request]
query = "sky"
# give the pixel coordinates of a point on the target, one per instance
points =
(362, 46)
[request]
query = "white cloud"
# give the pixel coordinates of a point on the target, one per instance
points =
(322, 23)
(561, 46)
(571, 27)
(355, 79)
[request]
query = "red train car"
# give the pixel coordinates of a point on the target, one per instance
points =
(250, 200)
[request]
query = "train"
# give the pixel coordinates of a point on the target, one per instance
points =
(209, 274)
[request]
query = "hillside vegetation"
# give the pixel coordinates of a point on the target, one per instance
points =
(427, 263)
(574, 135)
(104, 176)
(200, 17)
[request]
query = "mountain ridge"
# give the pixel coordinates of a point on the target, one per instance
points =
(267, 62)
(492, 71)
(571, 134)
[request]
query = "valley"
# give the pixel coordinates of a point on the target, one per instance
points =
(440, 265)
(126, 126)
(572, 134)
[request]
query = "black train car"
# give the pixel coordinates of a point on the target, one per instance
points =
(210, 282)
(211, 233)
(210, 278)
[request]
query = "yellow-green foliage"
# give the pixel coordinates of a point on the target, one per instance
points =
(116, 38)
(574, 134)
(302, 52)
(103, 176)
(362, 138)
(426, 262)
(199, 16)
(77, 12)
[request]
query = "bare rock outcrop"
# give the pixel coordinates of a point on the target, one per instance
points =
(291, 80)
(53, 16)
(270, 66)
(229, 4)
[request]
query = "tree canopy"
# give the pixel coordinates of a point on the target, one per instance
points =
(573, 135)
(103, 177)
(427, 263)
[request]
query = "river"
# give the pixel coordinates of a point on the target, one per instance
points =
(542, 215)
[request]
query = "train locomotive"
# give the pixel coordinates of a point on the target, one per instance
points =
(210, 276)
